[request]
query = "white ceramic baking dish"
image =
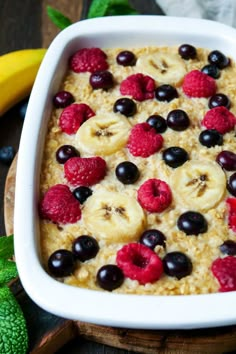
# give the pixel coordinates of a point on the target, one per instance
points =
(101, 307)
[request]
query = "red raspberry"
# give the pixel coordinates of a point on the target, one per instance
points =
(219, 118)
(59, 205)
(224, 269)
(139, 86)
(138, 262)
(88, 59)
(144, 141)
(198, 84)
(232, 213)
(154, 195)
(85, 171)
(73, 116)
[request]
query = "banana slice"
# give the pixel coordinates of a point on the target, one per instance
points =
(199, 185)
(103, 134)
(163, 68)
(114, 217)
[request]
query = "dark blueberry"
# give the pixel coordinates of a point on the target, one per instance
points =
(210, 137)
(231, 185)
(211, 70)
(63, 99)
(228, 247)
(166, 93)
(157, 122)
(227, 160)
(192, 223)
(126, 58)
(178, 120)
(175, 156)
(219, 59)
(61, 263)
(110, 277)
(85, 247)
(22, 108)
(125, 106)
(187, 51)
(127, 172)
(7, 154)
(177, 264)
(219, 100)
(82, 193)
(101, 80)
(65, 152)
(152, 238)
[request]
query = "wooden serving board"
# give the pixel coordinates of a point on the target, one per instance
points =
(48, 333)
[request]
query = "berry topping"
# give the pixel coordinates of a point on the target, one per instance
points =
(218, 100)
(192, 223)
(140, 87)
(7, 154)
(85, 171)
(227, 160)
(65, 152)
(228, 247)
(158, 123)
(63, 99)
(211, 70)
(166, 93)
(187, 51)
(88, 59)
(127, 172)
(152, 238)
(175, 156)
(110, 277)
(154, 195)
(73, 116)
(219, 59)
(198, 84)
(178, 120)
(126, 58)
(224, 269)
(101, 80)
(140, 263)
(177, 264)
(232, 213)
(125, 106)
(144, 141)
(59, 205)
(82, 193)
(210, 137)
(85, 247)
(231, 185)
(219, 118)
(61, 263)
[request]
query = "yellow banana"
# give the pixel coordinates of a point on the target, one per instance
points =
(18, 70)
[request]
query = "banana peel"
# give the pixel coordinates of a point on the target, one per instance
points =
(18, 71)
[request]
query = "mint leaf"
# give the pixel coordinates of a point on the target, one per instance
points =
(6, 247)
(58, 18)
(100, 8)
(8, 271)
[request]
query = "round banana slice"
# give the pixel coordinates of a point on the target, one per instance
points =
(103, 134)
(163, 68)
(199, 185)
(114, 217)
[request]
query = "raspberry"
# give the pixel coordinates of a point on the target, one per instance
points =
(232, 213)
(88, 59)
(144, 140)
(198, 84)
(139, 86)
(224, 269)
(59, 205)
(73, 116)
(85, 171)
(154, 195)
(138, 262)
(220, 119)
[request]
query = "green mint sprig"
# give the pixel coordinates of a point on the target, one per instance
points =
(58, 18)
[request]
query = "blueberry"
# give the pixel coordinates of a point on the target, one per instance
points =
(211, 70)
(65, 152)
(63, 99)
(227, 160)
(187, 51)
(7, 154)
(218, 100)
(231, 185)
(177, 264)
(127, 172)
(125, 106)
(157, 122)
(85, 247)
(152, 238)
(110, 277)
(228, 247)
(22, 108)
(210, 137)
(219, 59)
(82, 193)
(61, 263)
(126, 58)
(175, 156)
(178, 120)
(166, 93)
(101, 80)
(192, 223)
